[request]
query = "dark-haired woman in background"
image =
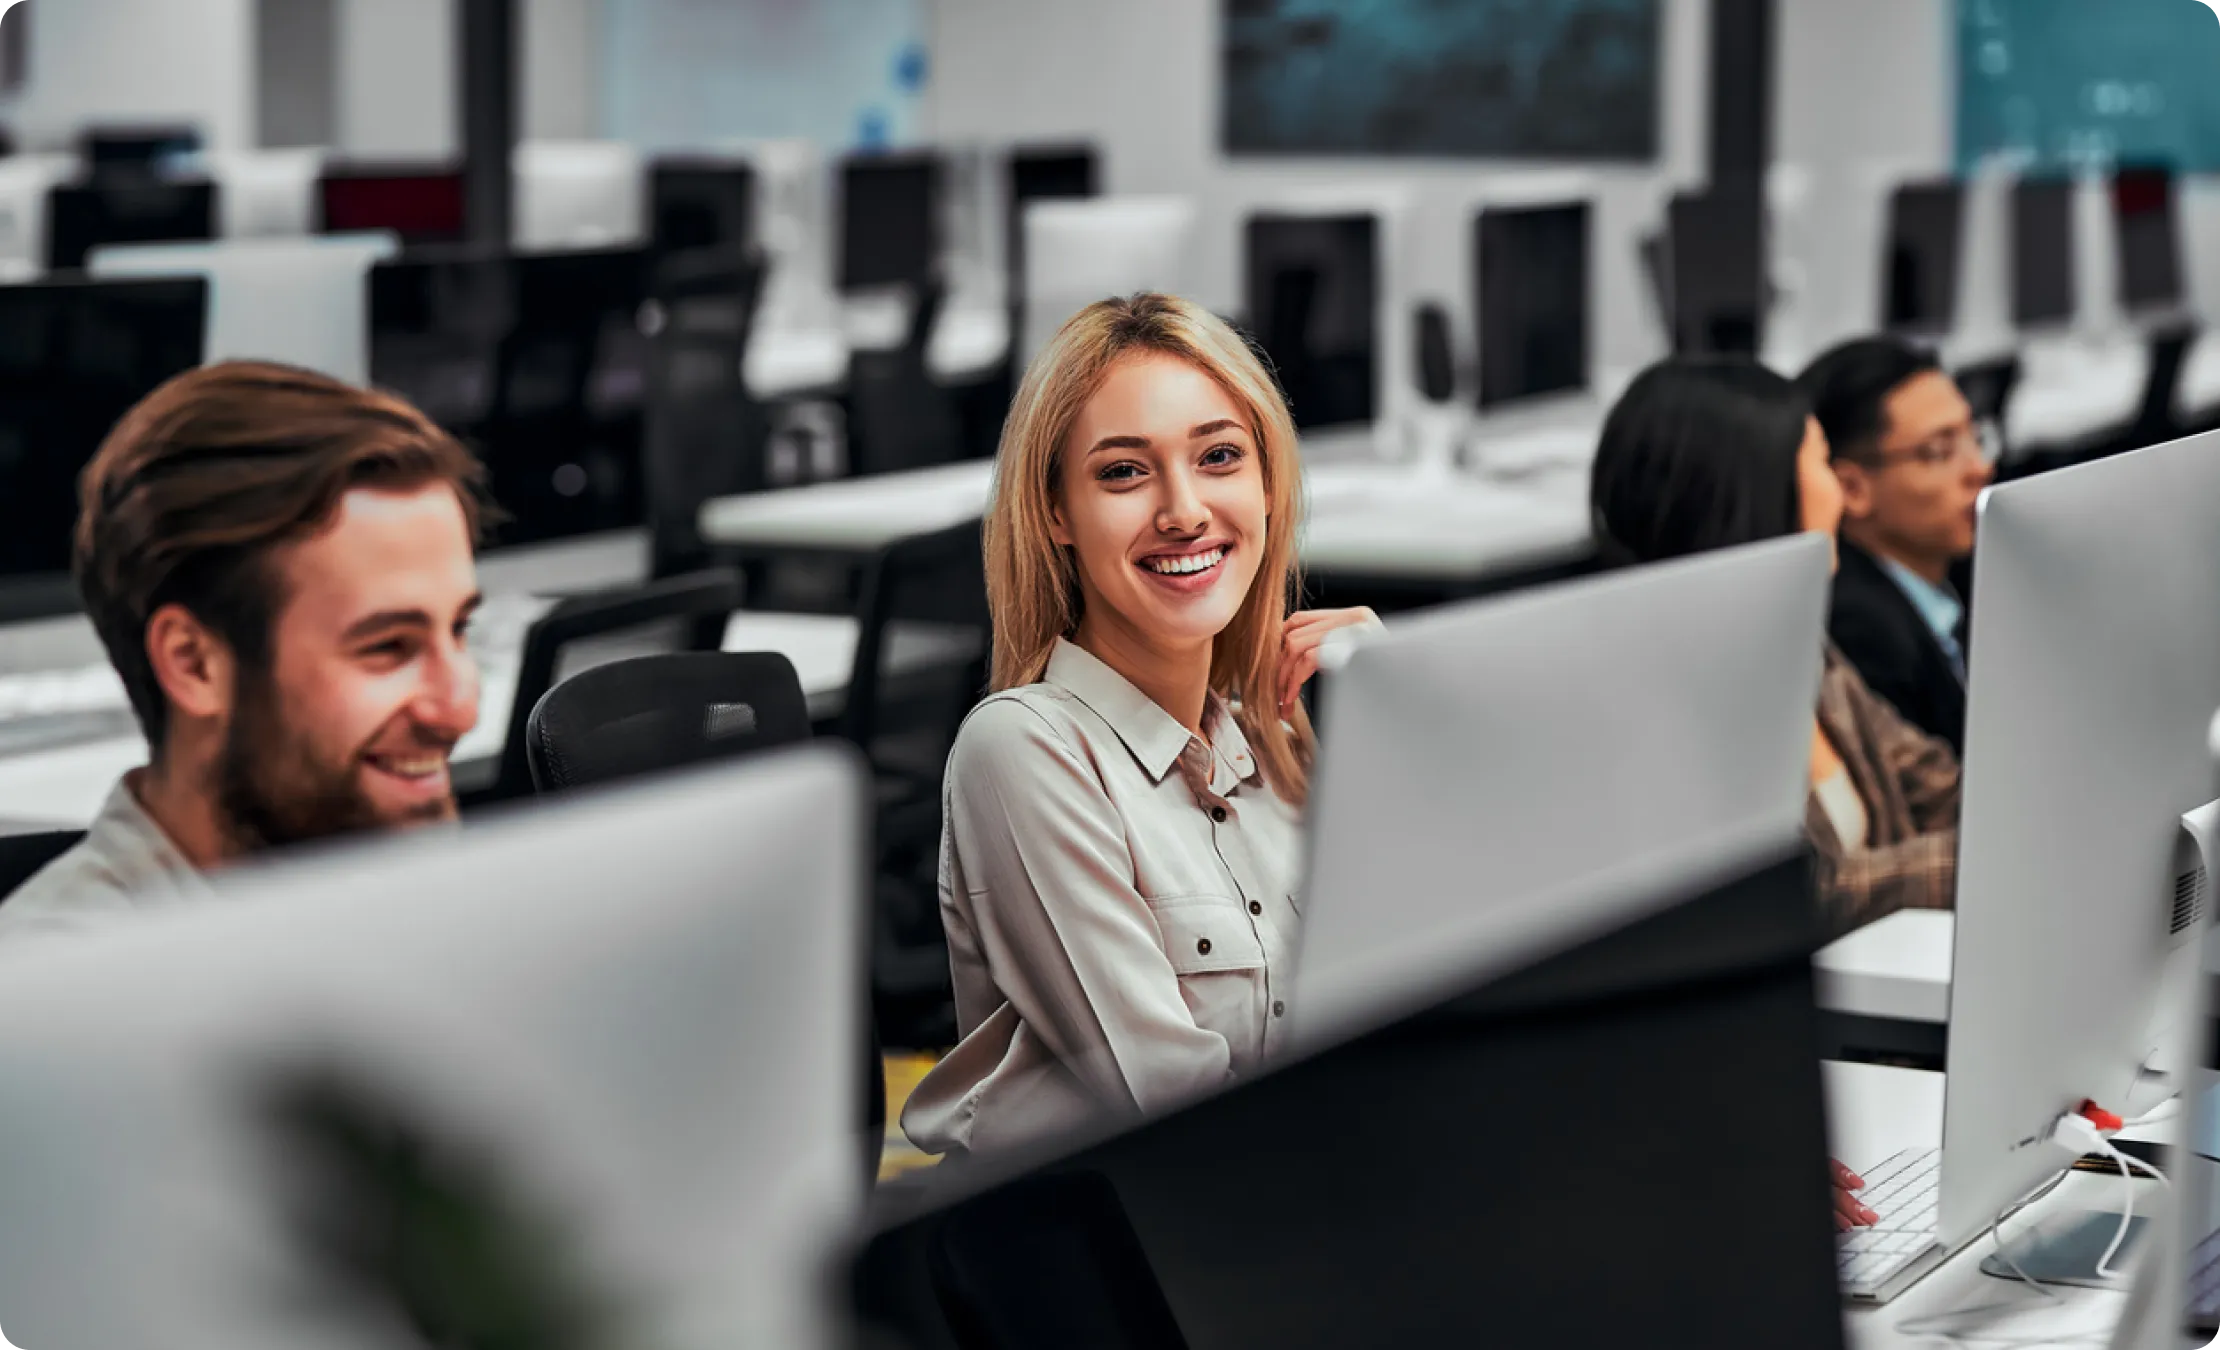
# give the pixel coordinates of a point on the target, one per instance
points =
(1705, 454)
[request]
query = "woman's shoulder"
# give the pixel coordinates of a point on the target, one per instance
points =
(1023, 720)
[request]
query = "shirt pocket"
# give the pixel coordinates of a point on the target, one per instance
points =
(1220, 962)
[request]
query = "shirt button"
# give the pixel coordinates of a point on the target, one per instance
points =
(1203, 947)
(1255, 907)
(1279, 1009)
(1218, 813)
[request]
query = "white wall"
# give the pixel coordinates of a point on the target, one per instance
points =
(1141, 78)
(397, 74)
(1864, 93)
(691, 73)
(139, 60)
(397, 78)
(562, 57)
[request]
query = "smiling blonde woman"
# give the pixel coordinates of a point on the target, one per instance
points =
(1120, 831)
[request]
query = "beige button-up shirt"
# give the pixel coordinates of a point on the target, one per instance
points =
(1119, 900)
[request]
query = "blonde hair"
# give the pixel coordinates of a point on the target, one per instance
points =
(1033, 583)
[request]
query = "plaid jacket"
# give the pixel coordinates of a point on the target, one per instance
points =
(1908, 781)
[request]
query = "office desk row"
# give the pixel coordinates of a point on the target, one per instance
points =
(64, 787)
(1366, 519)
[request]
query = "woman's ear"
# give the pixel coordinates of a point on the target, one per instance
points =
(1057, 530)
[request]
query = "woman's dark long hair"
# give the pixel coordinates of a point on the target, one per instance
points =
(1698, 454)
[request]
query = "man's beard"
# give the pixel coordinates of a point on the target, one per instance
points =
(272, 792)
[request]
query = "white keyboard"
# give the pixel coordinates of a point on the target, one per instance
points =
(1902, 1191)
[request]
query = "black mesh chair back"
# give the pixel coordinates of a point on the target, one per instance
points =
(22, 855)
(921, 663)
(650, 714)
(2156, 420)
(1051, 1263)
(647, 714)
(921, 641)
(1437, 369)
(903, 418)
(705, 434)
(696, 607)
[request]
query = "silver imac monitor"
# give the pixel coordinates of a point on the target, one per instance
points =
(1548, 765)
(2095, 656)
(584, 1076)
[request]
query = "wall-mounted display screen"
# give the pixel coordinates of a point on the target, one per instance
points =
(1508, 79)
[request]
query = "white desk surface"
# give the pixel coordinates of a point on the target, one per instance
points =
(2199, 390)
(966, 342)
(64, 787)
(1897, 967)
(1371, 518)
(2074, 388)
(1873, 1112)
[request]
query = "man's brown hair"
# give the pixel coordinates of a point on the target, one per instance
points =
(194, 487)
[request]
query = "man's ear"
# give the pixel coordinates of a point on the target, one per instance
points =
(1857, 489)
(191, 663)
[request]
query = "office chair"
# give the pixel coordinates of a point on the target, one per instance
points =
(705, 433)
(1437, 367)
(901, 417)
(701, 602)
(2155, 420)
(22, 855)
(920, 665)
(646, 714)
(542, 420)
(1051, 1263)
(649, 714)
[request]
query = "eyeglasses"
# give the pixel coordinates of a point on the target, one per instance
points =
(1980, 438)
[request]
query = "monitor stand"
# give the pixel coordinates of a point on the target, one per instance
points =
(2065, 1249)
(1434, 439)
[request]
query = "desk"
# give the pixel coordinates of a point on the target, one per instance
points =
(1895, 967)
(1366, 519)
(2073, 391)
(64, 787)
(1874, 1112)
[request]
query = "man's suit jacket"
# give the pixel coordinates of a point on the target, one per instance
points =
(1897, 655)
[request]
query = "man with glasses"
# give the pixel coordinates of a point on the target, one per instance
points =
(1912, 459)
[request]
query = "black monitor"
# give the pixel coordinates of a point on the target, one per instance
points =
(1530, 274)
(697, 203)
(422, 203)
(889, 221)
(522, 356)
(75, 356)
(1487, 1172)
(1040, 173)
(137, 150)
(1920, 259)
(81, 217)
(1714, 271)
(2042, 252)
(2150, 238)
(1313, 302)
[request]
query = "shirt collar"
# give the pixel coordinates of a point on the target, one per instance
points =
(1938, 606)
(124, 816)
(1153, 736)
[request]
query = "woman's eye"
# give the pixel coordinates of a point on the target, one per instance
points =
(1218, 456)
(1119, 471)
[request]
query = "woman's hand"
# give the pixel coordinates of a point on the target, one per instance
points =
(1300, 639)
(1849, 1213)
